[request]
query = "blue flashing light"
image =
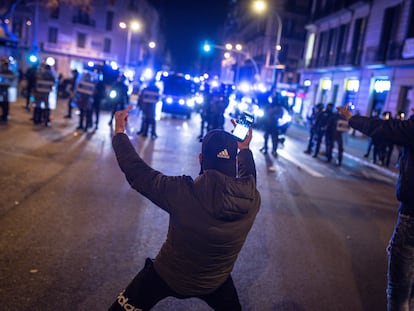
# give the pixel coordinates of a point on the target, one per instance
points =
(33, 59)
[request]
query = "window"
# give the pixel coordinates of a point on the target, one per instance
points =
(388, 32)
(81, 40)
(109, 20)
(54, 13)
(52, 35)
(107, 45)
(410, 30)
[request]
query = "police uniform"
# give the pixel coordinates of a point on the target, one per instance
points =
(148, 102)
(84, 98)
(45, 80)
(6, 80)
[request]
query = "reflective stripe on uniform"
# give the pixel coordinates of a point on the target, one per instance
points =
(85, 87)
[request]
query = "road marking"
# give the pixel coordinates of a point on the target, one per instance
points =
(306, 168)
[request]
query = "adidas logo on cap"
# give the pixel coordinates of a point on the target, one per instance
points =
(224, 154)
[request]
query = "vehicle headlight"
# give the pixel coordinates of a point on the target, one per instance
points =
(259, 113)
(169, 100)
(181, 101)
(190, 103)
(242, 106)
(112, 94)
(200, 100)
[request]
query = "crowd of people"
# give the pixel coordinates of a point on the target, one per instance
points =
(327, 125)
(173, 272)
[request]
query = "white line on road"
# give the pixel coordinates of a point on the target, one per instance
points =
(306, 168)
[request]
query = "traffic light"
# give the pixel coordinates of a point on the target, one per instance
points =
(207, 47)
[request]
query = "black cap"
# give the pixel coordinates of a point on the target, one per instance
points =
(219, 151)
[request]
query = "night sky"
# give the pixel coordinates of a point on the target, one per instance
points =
(187, 24)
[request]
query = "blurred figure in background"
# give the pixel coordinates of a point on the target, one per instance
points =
(6, 79)
(71, 90)
(218, 104)
(400, 116)
(45, 80)
(31, 84)
(337, 125)
(148, 100)
(84, 98)
(321, 123)
(98, 95)
(312, 130)
(386, 147)
(273, 113)
(205, 110)
(118, 95)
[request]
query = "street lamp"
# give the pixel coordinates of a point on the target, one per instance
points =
(260, 7)
(132, 26)
(238, 49)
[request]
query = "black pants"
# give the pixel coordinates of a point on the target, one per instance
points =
(5, 109)
(147, 289)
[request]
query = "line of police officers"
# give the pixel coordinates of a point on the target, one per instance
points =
(326, 124)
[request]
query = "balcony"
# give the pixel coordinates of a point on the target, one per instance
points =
(391, 52)
(83, 20)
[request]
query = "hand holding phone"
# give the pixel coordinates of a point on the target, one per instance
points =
(242, 126)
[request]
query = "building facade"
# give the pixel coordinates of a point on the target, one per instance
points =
(360, 53)
(75, 35)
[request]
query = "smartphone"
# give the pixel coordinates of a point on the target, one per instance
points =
(242, 127)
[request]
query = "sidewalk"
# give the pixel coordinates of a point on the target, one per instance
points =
(354, 148)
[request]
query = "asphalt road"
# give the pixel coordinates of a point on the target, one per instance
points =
(73, 233)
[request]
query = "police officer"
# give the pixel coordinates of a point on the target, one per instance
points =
(6, 80)
(119, 96)
(321, 123)
(337, 125)
(205, 110)
(98, 95)
(83, 98)
(71, 90)
(45, 80)
(274, 112)
(218, 105)
(148, 102)
(312, 130)
(31, 84)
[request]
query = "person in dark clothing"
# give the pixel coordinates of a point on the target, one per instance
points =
(400, 294)
(321, 123)
(371, 145)
(98, 95)
(210, 218)
(45, 82)
(148, 102)
(385, 147)
(312, 130)
(205, 110)
(72, 87)
(31, 84)
(337, 125)
(272, 115)
(118, 96)
(6, 79)
(218, 104)
(84, 99)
